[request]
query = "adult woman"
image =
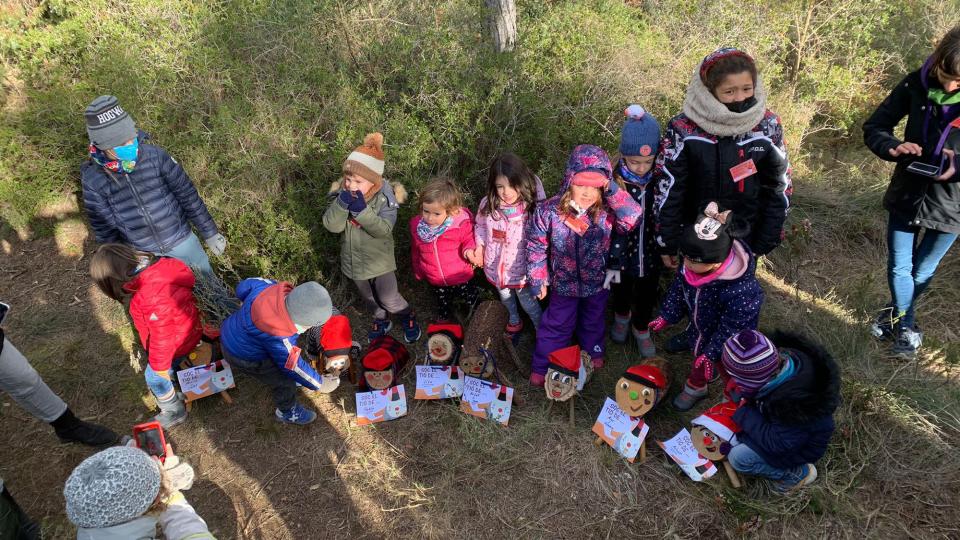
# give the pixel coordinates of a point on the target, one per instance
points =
(928, 203)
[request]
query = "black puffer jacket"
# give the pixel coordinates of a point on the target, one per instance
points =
(792, 423)
(151, 208)
(917, 199)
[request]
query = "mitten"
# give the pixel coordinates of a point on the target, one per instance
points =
(658, 324)
(613, 276)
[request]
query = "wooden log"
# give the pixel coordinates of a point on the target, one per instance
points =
(503, 24)
(732, 474)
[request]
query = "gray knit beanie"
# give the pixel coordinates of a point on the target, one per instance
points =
(308, 304)
(112, 487)
(108, 125)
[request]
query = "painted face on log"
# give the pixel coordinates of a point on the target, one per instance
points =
(336, 364)
(473, 366)
(441, 349)
(560, 386)
(378, 380)
(634, 398)
(707, 443)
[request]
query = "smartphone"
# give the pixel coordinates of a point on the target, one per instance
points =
(149, 438)
(4, 308)
(924, 169)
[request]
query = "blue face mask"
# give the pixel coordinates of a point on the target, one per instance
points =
(127, 152)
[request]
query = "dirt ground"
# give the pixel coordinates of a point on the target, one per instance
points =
(891, 471)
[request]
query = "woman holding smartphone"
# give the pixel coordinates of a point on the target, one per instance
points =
(924, 192)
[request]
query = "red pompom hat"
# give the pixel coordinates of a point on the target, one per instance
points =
(336, 337)
(719, 419)
(566, 360)
(648, 375)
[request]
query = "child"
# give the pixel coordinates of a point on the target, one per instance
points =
(717, 290)
(725, 146)
(500, 233)
(136, 194)
(567, 246)
(122, 492)
(365, 211)
(790, 388)
(441, 240)
(930, 100)
(158, 292)
(634, 260)
(260, 339)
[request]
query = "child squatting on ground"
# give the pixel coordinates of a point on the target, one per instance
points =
(364, 211)
(122, 492)
(158, 293)
(569, 239)
(634, 258)
(441, 239)
(789, 388)
(717, 289)
(513, 192)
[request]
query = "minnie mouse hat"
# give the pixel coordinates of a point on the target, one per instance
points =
(707, 240)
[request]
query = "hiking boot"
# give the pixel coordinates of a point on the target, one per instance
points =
(689, 397)
(411, 330)
(809, 472)
(908, 340)
(380, 328)
(678, 343)
(537, 379)
(172, 411)
(882, 327)
(297, 415)
(618, 334)
(644, 343)
(70, 429)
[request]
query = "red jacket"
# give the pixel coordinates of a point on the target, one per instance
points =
(164, 311)
(442, 262)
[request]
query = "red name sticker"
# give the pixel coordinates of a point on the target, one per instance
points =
(746, 169)
(499, 236)
(576, 225)
(955, 123)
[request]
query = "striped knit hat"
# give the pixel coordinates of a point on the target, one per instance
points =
(366, 160)
(751, 360)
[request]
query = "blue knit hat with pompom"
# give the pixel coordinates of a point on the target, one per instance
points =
(641, 133)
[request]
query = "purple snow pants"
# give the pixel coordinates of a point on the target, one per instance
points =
(565, 317)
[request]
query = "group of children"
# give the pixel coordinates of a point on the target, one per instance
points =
(713, 192)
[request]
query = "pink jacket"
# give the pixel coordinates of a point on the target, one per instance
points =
(442, 262)
(504, 248)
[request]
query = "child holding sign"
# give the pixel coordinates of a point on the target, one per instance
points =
(567, 247)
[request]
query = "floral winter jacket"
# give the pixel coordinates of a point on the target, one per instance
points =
(573, 264)
(504, 244)
(719, 304)
(441, 262)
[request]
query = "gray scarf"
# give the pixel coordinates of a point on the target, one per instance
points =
(705, 109)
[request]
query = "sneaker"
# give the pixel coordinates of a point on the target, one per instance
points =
(689, 397)
(678, 343)
(411, 330)
(514, 328)
(644, 343)
(908, 340)
(882, 327)
(298, 415)
(618, 334)
(537, 379)
(380, 328)
(785, 488)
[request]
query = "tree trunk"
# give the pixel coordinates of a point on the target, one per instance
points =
(503, 24)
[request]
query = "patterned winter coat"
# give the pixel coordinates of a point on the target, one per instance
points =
(693, 169)
(150, 208)
(442, 262)
(719, 305)
(504, 244)
(636, 253)
(571, 264)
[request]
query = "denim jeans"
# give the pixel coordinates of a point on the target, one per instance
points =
(745, 460)
(160, 387)
(527, 299)
(191, 253)
(911, 262)
(284, 388)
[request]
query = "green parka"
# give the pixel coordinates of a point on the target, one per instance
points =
(367, 250)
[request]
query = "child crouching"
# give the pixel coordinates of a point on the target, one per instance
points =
(789, 388)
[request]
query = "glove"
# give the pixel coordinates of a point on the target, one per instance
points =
(613, 276)
(352, 201)
(612, 188)
(217, 244)
(180, 473)
(658, 324)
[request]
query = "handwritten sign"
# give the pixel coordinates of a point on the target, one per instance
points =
(381, 405)
(434, 382)
(681, 450)
(619, 430)
(486, 399)
(207, 380)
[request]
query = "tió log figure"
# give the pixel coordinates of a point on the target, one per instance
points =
(638, 391)
(568, 371)
(382, 364)
(484, 344)
(444, 343)
(711, 434)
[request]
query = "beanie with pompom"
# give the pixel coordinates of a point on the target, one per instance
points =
(366, 161)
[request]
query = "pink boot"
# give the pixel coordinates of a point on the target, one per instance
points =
(537, 379)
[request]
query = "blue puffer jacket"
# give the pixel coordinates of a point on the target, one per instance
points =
(719, 306)
(262, 331)
(150, 209)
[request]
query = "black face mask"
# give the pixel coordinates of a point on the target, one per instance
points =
(741, 106)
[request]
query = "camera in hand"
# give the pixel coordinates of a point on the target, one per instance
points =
(927, 169)
(149, 438)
